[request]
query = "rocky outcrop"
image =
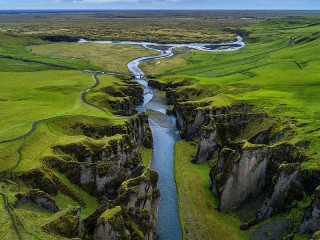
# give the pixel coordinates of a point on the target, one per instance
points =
(40, 198)
(165, 86)
(137, 127)
(244, 169)
(253, 162)
(110, 225)
(221, 126)
(239, 174)
(38, 179)
(139, 130)
(67, 223)
(130, 216)
(125, 98)
(98, 169)
(311, 219)
(209, 146)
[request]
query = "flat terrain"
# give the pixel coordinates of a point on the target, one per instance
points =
(154, 26)
(104, 56)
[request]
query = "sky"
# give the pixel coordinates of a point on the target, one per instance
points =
(160, 4)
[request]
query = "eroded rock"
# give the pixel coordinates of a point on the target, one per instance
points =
(311, 219)
(135, 210)
(40, 198)
(67, 223)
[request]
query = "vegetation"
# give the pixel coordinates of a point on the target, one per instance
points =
(104, 56)
(154, 26)
(198, 212)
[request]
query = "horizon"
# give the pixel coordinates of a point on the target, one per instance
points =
(105, 5)
(142, 9)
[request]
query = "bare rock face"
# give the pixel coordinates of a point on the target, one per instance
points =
(286, 188)
(189, 119)
(244, 170)
(209, 145)
(40, 198)
(239, 176)
(67, 223)
(311, 219)
(130, 216)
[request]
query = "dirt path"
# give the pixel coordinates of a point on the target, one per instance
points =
(84, 95)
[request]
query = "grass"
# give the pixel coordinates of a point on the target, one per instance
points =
(31, 96)
(146, 155)
(282, 80)
(104, 56)
(197, 206)
(63, 201)
(168, 26)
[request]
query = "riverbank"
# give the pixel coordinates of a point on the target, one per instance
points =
(197, 208)
(164, 131)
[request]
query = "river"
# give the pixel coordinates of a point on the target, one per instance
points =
(165, 132)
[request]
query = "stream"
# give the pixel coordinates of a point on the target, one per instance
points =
(165, 131)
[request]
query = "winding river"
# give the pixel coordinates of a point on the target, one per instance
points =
(165, 132)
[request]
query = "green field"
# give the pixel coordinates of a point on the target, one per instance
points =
(104, 56)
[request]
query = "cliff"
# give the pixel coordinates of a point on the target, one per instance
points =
(251, 155)
(132, 215)
(93, 163)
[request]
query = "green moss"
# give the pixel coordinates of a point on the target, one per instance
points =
(110, 213)
(65, 223)
(316, 235)
(136, 233)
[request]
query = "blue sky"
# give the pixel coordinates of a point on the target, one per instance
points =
(160, 4)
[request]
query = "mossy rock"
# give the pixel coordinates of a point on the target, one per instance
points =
(147, 139)
(316, 236)
(110, 213)
(38, 179)
(66, 223)
(111, 225)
